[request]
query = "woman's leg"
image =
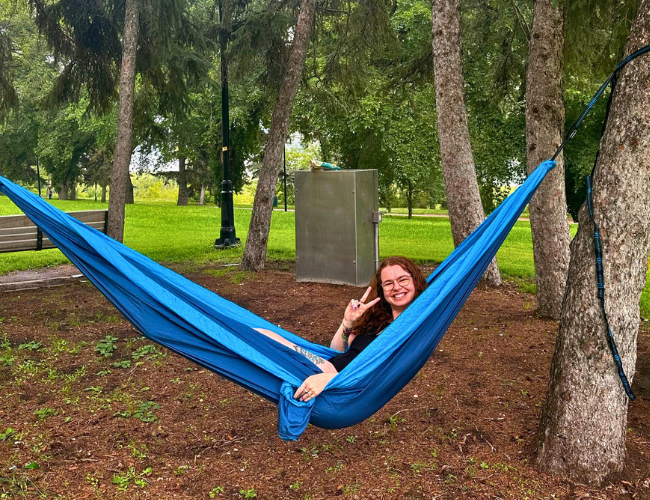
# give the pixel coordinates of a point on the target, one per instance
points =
(321, 363)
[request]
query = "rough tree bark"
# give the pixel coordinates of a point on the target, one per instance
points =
(122, 159)
(258, 233)
(465, 208)
(544, 130)
(130, 198)
(182, 183)
(583, 426)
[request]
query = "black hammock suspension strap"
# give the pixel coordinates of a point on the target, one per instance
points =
(601, 296)
(573, 129)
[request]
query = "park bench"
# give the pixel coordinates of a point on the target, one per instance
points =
(18, 233)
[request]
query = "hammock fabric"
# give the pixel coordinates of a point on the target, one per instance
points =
(217, 334)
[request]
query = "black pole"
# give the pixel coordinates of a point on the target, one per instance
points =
(227, 237)
(38, 174)
(285, 177)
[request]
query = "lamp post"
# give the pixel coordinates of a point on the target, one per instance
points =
(227, 237)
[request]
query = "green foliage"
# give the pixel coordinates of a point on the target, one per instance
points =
(106, 346)
(123, 481)
(6, 434)
(44, 413)
(145, 350)
(216, 491)
(143, 411)
(32, 345)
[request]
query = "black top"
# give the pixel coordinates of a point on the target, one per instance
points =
(359, 343)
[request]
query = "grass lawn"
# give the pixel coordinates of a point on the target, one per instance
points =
(167, 233)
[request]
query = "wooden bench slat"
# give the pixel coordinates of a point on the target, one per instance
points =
(85, 216)
(18, 233)
(8, 238)
(19, 230)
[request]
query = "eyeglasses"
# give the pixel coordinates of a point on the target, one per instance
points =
(402, 281)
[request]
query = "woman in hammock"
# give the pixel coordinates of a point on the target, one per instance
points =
(396, 284)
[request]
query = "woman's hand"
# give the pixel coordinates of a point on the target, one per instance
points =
(313, 386)
(356, 308)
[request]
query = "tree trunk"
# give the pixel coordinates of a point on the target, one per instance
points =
(410, 199)
(120, 173)
(182, 183)
(583, 426)
(544, 130)
(202, 195)
(130, 198)
(73, 191)
(103, 193)
(63, 192)
(258, 233)
(461, 186)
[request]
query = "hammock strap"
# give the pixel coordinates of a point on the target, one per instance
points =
(601, 296)
(573, 129)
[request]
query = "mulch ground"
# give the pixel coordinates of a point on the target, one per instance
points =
(85, 419)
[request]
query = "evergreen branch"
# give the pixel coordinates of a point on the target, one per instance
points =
(521, 21)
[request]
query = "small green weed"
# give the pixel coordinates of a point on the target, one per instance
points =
(145, 350)
(124, 480)
(73, 377)
(92, 480)
(337, 468)
(7, 434)
(31, 346)
(181, 470)
(144, 412)
(44, 413)
(122, 364)
(250, 493)
(394, 420)
(138, 452)
(216, 491)
(76, 349)
(107, 346)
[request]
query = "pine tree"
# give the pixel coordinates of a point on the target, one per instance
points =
(583, 427)
(258, 233)
(461, 185)
(544, 130)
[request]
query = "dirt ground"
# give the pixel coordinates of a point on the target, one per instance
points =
(91, 410)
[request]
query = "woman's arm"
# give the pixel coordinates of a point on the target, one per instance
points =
(355, 309)
(341, 339)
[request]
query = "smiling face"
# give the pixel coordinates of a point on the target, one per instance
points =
(398, 295)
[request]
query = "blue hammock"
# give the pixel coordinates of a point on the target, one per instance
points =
(217, 334)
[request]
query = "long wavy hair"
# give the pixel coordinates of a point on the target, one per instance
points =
(380, 315)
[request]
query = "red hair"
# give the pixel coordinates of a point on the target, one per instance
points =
(380, 315)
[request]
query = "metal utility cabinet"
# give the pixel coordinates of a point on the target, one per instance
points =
(336, 217)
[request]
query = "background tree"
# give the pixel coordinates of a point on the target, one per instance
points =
(258, 233)
(544, 131)
(93, 40)
(495, 51)
(583, 427)
(461, 186)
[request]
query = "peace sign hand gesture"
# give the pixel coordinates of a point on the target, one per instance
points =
(356, 308)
